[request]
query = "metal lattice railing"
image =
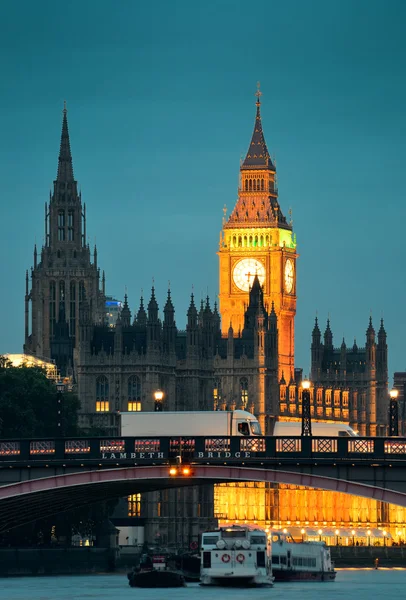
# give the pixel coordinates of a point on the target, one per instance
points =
(288, 444)
(252, 444)
(9, 448)
(324, 445)
(361, 446)
(150, 445)
(45, 447)
(217, 444)
(112, 446)
(395, 447)
(77, 447)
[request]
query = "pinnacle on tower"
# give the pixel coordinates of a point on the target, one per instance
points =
(370, 333)
(258, 156)
(65, 168)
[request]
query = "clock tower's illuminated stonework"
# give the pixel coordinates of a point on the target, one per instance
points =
(257, 240)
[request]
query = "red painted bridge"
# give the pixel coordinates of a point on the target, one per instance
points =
(32, 499)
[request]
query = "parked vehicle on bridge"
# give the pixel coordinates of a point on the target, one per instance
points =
(189, 423)
(237, 555)
(293, 561)
(294, 428)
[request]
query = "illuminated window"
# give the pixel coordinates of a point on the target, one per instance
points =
(102, 406)
(134, 505)
(244, 391)
(336, 397)
(102, 394)
(345, 398)
(61, 226)
(319, 396)
(328, 397)
(217, 392)
(134, 393)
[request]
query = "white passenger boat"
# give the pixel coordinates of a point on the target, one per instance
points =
(239, 556)
(293, 561)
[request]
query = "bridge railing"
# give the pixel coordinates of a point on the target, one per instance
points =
(229, 448)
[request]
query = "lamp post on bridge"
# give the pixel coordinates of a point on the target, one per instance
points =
(306, 412)
(393, 413)
(60, 388)
(159, 396)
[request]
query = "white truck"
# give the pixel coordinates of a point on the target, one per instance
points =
(189, 423)
(332, 429)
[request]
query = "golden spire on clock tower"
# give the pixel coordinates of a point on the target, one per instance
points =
(257, 240)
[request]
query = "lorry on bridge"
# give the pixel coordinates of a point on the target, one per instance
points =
(331, 429)
(189, 423)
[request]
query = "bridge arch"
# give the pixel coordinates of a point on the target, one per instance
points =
(36, 498)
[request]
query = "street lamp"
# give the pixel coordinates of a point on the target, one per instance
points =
(353, 537)
(337, 534)
(303, 532)
(306, 414)
(320, 532)
(384, 533)
(393, 412)
(60, 387)
(158, 395)
(369, 537)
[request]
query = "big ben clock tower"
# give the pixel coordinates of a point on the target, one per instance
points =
(257, 240)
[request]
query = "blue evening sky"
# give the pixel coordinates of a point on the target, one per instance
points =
(161, 107)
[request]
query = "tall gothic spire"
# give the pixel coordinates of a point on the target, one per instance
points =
(65, 168)
(258, 156)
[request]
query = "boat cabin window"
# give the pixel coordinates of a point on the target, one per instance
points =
(258, 539)
(283, 560)
(233, 534)
(243, 428)
(275, 559)
(210, 539)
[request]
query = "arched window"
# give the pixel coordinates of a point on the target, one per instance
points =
(258, 184)
(72, 309)
(52, 307)
(250, 185)
(245, 241)
(134, 393)
(256, 241)
(254, 185)
(261, 241)
(81, 291)
(250, 242)
(61, 226)
(102, 394)
(217, 393)
(240, 241)
(244, 391)
(134, 505)
(246, 185)
(267, 240)
(262, 185)
(234, 241)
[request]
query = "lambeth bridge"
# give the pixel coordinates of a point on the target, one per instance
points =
(42, 477)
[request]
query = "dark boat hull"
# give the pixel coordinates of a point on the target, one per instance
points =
(291, 575)
(156, 579)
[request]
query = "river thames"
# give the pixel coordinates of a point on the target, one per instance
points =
(360, 584)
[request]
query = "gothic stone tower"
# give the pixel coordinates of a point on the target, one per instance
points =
(257, 240)
(64, 274)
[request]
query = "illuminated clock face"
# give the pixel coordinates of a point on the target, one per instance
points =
(289, 275)
(244, 273)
